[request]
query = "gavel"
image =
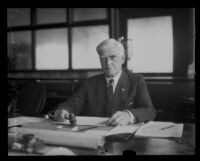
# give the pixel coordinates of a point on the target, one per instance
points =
(72, 117)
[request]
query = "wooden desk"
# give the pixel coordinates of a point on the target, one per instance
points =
(144, 146)
(166, 146)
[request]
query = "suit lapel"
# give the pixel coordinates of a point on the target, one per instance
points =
(101, 88)
(121, 92)
(122, 88)
(101, 94)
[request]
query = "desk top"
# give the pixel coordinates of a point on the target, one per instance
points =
(166, 146)
(142, 146)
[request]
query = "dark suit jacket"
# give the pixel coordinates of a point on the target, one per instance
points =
(130, 94)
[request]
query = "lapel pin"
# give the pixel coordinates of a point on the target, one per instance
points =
(123, 89)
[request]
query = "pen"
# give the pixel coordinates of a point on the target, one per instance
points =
(85, 129)
(167, 127)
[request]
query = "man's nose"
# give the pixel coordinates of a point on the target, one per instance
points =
(108, 61)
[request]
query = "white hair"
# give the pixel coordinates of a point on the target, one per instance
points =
(110, 45)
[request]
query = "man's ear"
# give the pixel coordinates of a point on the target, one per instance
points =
(123, 59)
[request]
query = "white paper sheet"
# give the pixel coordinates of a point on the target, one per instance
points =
(124, 129)
(92, 138)
(21, 120)
(60, 151)
(63, 138)
(160, 129)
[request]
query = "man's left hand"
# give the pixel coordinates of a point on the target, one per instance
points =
(119, 118)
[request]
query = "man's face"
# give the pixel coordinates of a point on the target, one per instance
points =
(111, 62)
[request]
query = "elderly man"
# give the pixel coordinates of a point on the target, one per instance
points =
(120, 95)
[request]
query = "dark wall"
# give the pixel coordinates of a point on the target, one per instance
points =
(173, 100)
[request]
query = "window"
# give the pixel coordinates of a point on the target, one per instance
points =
(84, 42)
(167, 36)
(19, 50)
(152, 44)
(52, 49)
(18, 17)
(85, 38)
(84, 14)
(56, 38)
(50, 15)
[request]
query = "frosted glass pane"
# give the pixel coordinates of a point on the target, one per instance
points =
(152, 44)
(18, 17)
(82, 14)
(19, 50)
(50, 15)
(51, 49)
(84, 43)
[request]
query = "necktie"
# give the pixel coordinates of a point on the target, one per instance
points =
(110, 95)
(110, 85)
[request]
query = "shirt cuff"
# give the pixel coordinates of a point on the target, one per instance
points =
(132, 117)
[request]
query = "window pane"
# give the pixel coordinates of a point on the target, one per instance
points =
(82, 14)
(152, 44)
(50, 15)
(19, 50)
(18, 17)
(84, 43)
(51, 49)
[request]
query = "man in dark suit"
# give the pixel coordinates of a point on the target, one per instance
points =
(120, 95)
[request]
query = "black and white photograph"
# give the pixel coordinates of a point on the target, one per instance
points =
(101, 81)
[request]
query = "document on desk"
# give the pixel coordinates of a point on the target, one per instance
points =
(130, 129)
(101, 121)
(60, 151)
(160, 129)
(21, 120)
(47, 131)
(85, 120)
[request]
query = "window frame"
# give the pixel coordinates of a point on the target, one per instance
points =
(181, 28)
(69, 24)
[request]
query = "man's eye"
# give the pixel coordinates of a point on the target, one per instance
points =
(113, 57)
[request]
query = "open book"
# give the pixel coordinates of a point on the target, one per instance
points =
(160, 129)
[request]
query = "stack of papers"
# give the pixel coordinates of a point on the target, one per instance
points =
(160, 129)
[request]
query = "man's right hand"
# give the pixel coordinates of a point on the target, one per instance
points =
(61, 115)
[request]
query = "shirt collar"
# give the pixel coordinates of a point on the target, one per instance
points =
(116, 78)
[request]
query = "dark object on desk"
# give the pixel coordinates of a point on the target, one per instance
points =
(31, 99)
(72, 119)
(129, 153)
(32, 143)
(167, 127)
(28, 143)
(50, 115)
(80, 129)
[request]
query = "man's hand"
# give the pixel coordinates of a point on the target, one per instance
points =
(119, 118)
(61, 115)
